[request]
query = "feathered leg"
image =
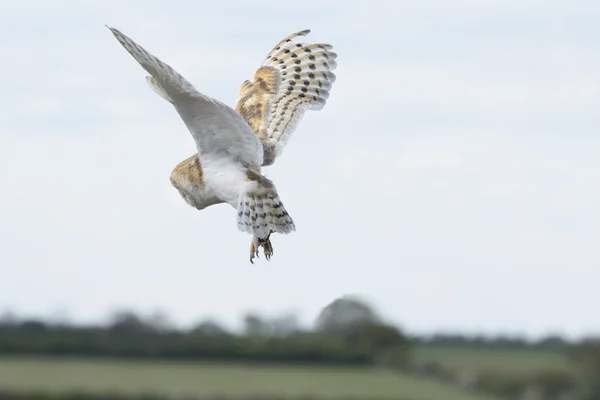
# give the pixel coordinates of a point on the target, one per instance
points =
(261, 213)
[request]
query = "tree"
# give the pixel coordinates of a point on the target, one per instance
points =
(343, 315)
(127, 322)
(377, 336)
(159, 322)
(285, 325)
(254, 325)
(33, 326)
(209, 328)
(360, 326)
(552, 342)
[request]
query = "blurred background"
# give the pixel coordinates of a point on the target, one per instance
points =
(446, 203)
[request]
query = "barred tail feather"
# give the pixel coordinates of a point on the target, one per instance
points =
(261, 212)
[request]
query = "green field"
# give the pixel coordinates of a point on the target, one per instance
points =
(61, 375)
(512, 362)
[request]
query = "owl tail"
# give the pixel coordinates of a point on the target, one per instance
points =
(260, 212)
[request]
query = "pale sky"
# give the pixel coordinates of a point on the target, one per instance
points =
(453, 178)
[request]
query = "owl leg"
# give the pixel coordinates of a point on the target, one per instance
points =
(257, 243)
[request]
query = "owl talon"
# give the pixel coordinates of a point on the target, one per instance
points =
(255, 246)
(267, 249)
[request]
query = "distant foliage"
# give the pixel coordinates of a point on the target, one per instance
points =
(344, 315)
(549, 343)
(356, 323)
(8, 395)
(132, 339)
(277, 339)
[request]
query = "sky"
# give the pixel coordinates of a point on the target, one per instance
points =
(452, 179)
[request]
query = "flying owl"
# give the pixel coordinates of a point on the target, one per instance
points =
(233, 145)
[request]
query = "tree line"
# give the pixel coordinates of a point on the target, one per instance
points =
(359, 340)
(347, 331)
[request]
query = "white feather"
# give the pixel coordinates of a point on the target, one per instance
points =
(217, 129)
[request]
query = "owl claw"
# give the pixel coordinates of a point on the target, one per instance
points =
(255, 246)
(267, 249)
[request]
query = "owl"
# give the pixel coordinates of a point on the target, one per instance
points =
(232, 145)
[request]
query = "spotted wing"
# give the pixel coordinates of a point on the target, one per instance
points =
(293, 78)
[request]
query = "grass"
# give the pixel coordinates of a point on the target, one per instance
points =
(510, 362)
(61, 375)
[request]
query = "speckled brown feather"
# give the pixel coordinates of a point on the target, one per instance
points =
(294, 77)
(254, 97)
(191, 169)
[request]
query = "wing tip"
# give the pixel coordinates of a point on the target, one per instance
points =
(116, 33)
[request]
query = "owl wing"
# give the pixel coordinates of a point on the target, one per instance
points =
(293, 78)
(215, 127)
